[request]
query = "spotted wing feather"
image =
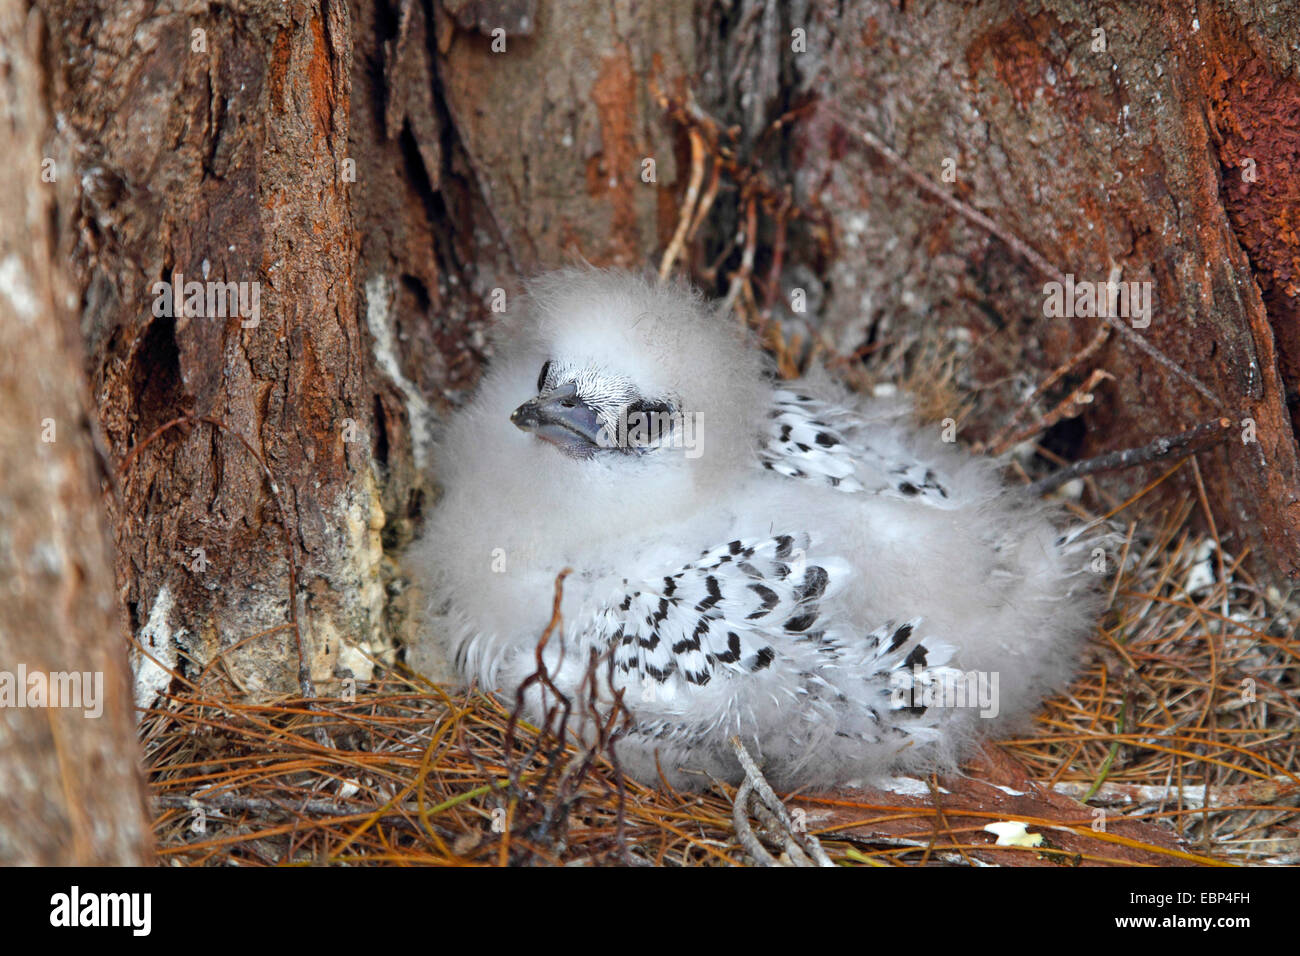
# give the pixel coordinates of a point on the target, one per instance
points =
(812, 440)
(727, 613)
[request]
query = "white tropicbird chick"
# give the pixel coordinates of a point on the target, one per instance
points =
(790, 563)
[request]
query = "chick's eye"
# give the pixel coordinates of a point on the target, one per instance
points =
(541, 378)
(645, 407)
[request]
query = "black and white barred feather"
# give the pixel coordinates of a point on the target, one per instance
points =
(812, 440)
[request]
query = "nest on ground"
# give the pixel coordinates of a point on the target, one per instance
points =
(1176, 745)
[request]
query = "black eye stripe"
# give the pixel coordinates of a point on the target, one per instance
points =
(647, 407)
(541, 379)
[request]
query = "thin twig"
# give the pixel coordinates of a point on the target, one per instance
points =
(1001, 441)
(706, 201)
(1069, 407)
(1277, 790)
(794, 853)
(688, 204)
(1196, 439)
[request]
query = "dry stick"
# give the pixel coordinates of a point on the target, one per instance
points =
(778, 260)
(1254, 792)
(794, 852)
(1196, 439)
(1069, 407)
(610, 742)
(741, 276)
(707, 134)
(1000, 442)
(688, 204)
(1019, 246)
(749, 178)
(541, 675)
(706, 201)
(304, 675)
(565, 783)
(744, 833)
(610, 728)
(265, 805)
(754, 777)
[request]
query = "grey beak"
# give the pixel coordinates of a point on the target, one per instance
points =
(527, 416)
(562, 419)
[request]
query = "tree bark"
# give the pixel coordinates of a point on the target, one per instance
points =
(71, 791)
(212, 143)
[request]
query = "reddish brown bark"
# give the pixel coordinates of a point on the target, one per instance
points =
(214, 144)
(70, 785)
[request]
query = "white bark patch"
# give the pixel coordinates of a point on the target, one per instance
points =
(17, 290)
(158, 642)
(356, 557)
(355, 661)
(379, 309)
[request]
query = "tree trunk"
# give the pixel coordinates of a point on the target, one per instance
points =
(70, 784)
(212, 148)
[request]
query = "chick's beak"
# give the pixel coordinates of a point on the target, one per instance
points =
(562, 419)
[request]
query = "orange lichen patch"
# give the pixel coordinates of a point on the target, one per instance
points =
(1022, 55)
(597, 176)
(611, 171)
(1257, 130)
(317, 73)
(871, 32)
(319, 80)
(278, 67)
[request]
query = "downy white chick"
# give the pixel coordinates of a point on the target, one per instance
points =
(790, 563)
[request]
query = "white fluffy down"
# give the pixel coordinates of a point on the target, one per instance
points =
(980, 564)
